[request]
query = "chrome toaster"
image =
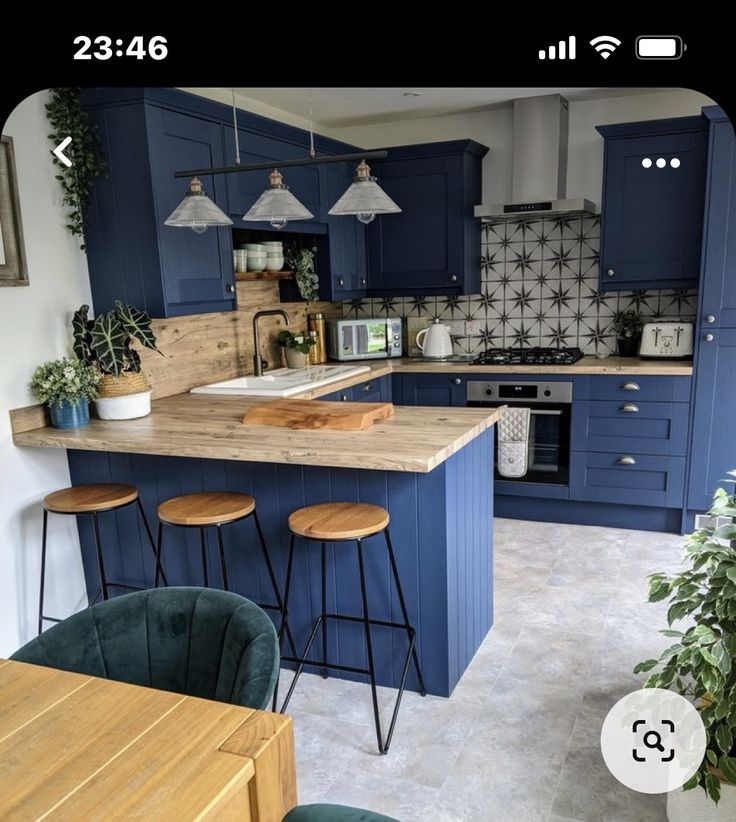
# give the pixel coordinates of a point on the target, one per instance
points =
(666, 341)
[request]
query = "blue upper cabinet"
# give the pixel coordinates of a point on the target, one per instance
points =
(146, 136)
(718, 289)
(433, 245)
(653, 198)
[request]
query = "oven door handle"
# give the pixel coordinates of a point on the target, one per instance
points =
(549, 412)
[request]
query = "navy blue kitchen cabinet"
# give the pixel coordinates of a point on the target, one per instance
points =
(131, 254)
(653, 199)
(377, 390)
(433, 245)
(438, 390)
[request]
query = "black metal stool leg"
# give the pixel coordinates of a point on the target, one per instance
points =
(222, 558)
(274, 583)
(284, 623)
(159, 546)
(150, 540)
(324, 608)
(203, 544)
(43, 569)
(402, 602)
(100, 560)
(369, 646)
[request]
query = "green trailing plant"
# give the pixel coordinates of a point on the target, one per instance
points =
(301, 262)
(107, 341)
(297, 342)
(65, 382)
(701, 664)
(628, 324)
(68, 118)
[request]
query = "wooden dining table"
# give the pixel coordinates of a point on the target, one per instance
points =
(77, 747)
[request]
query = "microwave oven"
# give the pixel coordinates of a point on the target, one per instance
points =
(364, 339)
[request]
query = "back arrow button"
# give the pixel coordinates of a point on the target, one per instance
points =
(59, 151)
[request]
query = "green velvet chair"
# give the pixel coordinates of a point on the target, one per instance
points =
(195, 641)
(334, 813)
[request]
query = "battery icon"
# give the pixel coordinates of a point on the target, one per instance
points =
(659, 47)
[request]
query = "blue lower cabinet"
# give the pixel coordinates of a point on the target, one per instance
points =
(628, 478)
(635, 389)
(438, 390)
(441, 529)
(378, 390)
(346, 395)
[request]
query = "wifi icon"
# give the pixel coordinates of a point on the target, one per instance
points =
(605, 45)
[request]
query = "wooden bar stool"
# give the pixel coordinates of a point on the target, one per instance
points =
(90, 500)
(349, 522)
(213, 509)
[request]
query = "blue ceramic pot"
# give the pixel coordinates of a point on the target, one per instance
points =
(70, 416)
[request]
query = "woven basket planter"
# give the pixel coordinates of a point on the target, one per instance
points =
(123, 398)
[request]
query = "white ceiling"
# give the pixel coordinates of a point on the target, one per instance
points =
(340, 107)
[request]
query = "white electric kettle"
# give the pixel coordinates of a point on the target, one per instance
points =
(435, 342)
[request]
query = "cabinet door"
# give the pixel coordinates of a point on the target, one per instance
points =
(713, 446)
(197, 269)
(245, 188)
(419, 250)
(652, 217)
(719, 253)
(441, 390)
(346, 240)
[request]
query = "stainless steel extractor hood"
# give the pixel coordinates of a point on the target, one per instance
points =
(539, 156)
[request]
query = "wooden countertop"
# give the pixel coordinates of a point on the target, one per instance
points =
(209, 426)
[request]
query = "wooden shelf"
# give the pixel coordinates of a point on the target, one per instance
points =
(249, 276)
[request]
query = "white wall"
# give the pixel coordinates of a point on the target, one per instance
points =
(34, 327)
(493, 128)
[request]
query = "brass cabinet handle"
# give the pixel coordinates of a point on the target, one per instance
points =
(626, 461)
(630, 386)
(629, 408)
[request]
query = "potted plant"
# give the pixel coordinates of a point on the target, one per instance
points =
(107, 343)
(701, 664)
(301, 261)
(66, 387)
(296, 348)
(628, 327)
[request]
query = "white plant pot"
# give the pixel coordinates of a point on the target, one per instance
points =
(295, 359)
(689, 806)
(127, 407)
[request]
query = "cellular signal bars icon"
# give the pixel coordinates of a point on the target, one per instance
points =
(564, 50)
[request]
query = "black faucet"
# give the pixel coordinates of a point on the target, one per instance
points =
(257, 360)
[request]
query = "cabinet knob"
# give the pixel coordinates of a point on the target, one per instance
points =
(626, 461)
(630, 386)
(458, 381)
(611, 272)
(367, 387)
(453, 278)
(709, 337)
(340, 281)
(710, 318)
(343, 397)
(629, 408)
(230, 288)
(362, 280)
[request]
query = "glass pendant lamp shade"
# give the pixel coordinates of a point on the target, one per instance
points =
(365, 198)
(197, 211)
(277, 205)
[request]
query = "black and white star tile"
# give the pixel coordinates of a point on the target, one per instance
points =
(539, 286)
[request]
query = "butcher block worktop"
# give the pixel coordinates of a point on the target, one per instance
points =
(209, 426)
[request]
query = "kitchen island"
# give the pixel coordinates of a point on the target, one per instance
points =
(431, 468)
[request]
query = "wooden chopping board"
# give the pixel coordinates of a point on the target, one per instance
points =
(314, 414)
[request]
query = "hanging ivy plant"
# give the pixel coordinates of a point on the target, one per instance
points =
(67, 118)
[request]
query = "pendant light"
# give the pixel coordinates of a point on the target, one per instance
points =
(277, 205)
(365, 198)
(197, 211)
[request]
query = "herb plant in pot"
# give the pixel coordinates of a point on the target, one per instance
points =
(701, 664)
(66, 387)
(628, 327)
(296, 348)
(107, 343)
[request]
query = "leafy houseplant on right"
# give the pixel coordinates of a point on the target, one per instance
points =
(296, 348)
(701, 664)
(107, 343)
(628, 327)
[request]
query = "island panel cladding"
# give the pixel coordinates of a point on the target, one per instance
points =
(539, 287)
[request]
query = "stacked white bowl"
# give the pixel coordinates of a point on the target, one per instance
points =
(274, 255)
(256, 256)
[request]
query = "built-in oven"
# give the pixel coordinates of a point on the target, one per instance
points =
(550, 405)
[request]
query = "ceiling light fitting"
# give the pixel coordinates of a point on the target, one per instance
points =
(277, 205)
(197, 211)
(365, 198)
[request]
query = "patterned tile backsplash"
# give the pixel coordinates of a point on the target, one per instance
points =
(539, 286)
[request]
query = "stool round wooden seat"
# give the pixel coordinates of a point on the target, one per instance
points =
(335, 521)
(84, 499)
(207, 508)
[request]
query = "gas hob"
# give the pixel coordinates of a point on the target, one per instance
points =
(528, 356)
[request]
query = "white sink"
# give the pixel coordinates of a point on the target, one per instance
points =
(283, 382)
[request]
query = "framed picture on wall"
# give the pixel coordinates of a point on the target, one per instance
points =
(13, 270)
